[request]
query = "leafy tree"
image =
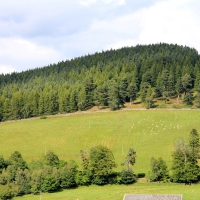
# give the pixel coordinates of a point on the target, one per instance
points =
(83, 177)
(49, 184)
(22, 180)
(3, 164)
(130, 159)
(101, 164)
(185, 168)
(68, 175)
(16, 160)
(51, 159)
(36, 181)
(159, 171)
(7, 192)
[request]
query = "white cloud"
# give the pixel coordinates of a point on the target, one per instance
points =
(90, 2)
(170, 21)
(6, 69)
(28, 39)
(25, 54)
(118, 2)
(87, 2)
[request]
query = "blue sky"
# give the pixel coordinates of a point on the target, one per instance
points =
(35, 33)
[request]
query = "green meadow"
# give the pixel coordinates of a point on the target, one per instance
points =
(116, 192)
(149, 132)
(152, 133)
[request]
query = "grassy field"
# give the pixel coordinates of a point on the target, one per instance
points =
(149, 132)
(116, 192)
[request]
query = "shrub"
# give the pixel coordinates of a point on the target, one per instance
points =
(141, 175)
(43, 117)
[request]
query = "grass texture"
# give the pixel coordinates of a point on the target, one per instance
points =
(152, 133)
(116, 192)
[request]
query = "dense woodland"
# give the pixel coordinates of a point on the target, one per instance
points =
(110, 78)
(50, 174)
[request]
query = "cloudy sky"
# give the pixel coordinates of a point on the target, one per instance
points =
(35, 33)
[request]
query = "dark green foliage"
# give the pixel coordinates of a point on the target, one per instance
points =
(197, 99)
(159, 171)
(194, 145)
(141, 175)
(130, 159)
(7, 192)
(132, 92)
(114, 100)
(178, 88)
(17, 161)
(49, 183)
(149, 103)
(110, 78)
(51, 159)
(36, 181)
(3, 164)
(187, 83)
(101, 164)
(127, 177)
(68, 175)
(83, 177)
(185, 167)
(188, 99)
(22, 180)
(43, 117)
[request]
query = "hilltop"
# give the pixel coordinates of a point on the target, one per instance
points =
(157, 75)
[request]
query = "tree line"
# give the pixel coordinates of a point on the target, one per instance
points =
(110, 78)
(50, 174)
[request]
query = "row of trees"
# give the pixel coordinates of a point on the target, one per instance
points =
(51, 174)
(185, 168)
(110, 78)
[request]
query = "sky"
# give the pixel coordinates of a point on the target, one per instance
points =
(36, 33)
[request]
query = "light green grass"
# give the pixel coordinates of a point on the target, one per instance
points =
(116, 192)
(149, 132)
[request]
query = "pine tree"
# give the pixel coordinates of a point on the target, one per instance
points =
(179, 89)
(132, 92)
(113, 95)
(149, 98)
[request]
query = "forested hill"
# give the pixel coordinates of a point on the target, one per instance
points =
(109, 78)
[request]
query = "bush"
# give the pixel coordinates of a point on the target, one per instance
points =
(188, 99)
(176, 106)
(141, 175)
(127, 177)
(43, 117)
(161, 106)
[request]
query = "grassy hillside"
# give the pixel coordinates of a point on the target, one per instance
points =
(150, 133)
